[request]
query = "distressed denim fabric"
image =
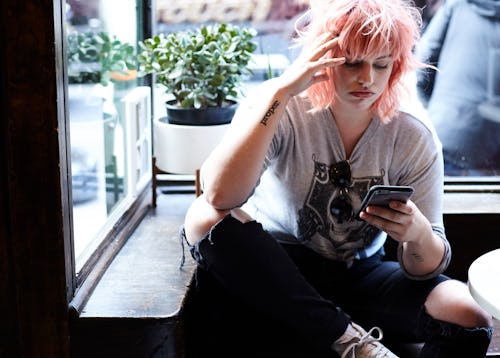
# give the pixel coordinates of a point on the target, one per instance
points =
(317, 297)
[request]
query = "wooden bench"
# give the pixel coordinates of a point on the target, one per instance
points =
(136, 309)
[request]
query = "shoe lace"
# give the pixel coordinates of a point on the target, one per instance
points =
(366, 339)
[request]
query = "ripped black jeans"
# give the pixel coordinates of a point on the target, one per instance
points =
(313, 299)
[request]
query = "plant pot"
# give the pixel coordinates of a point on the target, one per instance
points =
(201, 116)
(181, 149)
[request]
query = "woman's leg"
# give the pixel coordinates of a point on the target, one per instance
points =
(455, 324)
(438, 311)
(254, 268)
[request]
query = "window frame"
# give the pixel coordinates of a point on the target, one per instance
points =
(81, 284)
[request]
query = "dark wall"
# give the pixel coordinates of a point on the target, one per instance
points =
(33, 284)
(470, 236)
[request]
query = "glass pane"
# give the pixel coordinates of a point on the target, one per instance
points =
(463, 96)
(101, 45)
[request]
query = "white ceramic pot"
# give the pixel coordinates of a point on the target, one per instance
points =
(182, 149)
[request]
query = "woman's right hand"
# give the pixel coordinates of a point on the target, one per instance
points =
(309, 67)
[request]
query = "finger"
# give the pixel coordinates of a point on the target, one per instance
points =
(392, 228)
(405, 208)
(372, 219)
(330, 62)
(320, 74)
(324, 37)
(321, 65)
(387, 214)
(319, 77)
(322, 48)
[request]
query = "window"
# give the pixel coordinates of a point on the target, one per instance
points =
(463, 97)
(109, 117)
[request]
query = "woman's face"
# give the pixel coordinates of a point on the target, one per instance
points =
(360, 82)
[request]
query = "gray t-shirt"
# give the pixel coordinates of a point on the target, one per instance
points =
(299, 199)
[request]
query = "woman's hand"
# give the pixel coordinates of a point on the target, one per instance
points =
(309, 67)
(423, 250)
(403, 222)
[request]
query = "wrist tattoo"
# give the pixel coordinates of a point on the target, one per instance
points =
(270, 112)
(417, 257)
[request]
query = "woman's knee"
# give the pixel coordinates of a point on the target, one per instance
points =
(201, 217)
(450, 301)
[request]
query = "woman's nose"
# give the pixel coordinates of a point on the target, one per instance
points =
(365, 75)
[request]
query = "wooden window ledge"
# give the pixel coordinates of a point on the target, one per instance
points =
(135, 309)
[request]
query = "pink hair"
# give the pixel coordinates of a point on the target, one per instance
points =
(366, 28)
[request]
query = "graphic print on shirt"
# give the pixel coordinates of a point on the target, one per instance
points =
(327, 220)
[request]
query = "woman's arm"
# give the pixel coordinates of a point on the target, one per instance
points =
(234, 166)
(418, 224)
(232, 169)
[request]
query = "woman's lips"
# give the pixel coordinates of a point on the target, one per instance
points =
(361, 94)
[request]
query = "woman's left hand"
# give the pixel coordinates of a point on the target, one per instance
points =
(403, 222)
(422, 249)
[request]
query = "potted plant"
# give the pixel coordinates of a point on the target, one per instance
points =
(202, 70)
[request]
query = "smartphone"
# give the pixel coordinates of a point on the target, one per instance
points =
(382, 195)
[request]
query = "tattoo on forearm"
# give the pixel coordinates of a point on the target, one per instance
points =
(417, 257)
(270, 112)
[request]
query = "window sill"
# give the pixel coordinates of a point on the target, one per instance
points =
(471, 203)
(145, 280)
(137, 305)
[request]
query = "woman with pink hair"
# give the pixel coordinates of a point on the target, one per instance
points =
(277, 226)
